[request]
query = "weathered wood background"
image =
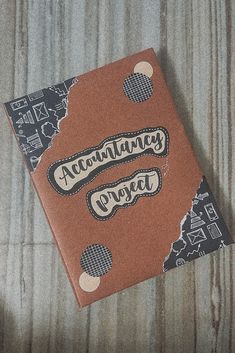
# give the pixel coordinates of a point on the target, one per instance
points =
(190, 309)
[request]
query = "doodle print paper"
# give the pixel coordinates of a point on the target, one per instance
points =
(202, 230)
(36, 118)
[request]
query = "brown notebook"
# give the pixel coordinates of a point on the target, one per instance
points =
(116, 176)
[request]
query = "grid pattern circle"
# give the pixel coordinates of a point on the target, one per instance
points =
(138, 87)
(96, 260)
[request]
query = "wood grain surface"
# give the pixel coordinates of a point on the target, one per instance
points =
(189, 309)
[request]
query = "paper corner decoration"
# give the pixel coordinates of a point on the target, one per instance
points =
(202, 230)
(36, 119)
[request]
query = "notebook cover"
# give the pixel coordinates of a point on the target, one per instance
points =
(121, 188)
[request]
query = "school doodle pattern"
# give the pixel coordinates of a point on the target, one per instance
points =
(202, 230)
(36, 118)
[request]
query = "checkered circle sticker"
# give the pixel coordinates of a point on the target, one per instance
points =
(138, 87)
(96, 260)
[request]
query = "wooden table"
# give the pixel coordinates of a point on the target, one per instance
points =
(189, 309)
